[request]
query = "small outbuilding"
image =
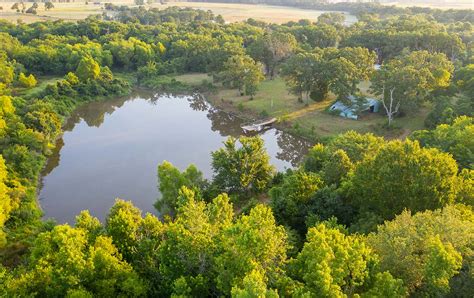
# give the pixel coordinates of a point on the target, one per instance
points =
(354, 106)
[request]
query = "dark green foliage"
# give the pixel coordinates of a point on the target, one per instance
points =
(456, 138)
(208, 248)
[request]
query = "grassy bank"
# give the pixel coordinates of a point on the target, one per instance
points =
(309, 119)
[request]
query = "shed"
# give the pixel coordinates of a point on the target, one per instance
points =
(355, 106)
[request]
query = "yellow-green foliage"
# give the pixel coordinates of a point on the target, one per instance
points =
(27, 81)
(332, 263)
(402, 175)
(425, 249)
(87, 69)
(6, 108)
(5, 202)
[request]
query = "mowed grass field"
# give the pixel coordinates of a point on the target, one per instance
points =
(61, 11)
(230, 12)
(275, 14)
(274, 100)
(441, 4)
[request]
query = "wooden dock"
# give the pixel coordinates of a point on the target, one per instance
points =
(258, 126)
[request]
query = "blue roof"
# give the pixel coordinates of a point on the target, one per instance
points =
(351, 111)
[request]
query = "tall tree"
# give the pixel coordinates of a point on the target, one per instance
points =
(402, 175)
(88, 69)
(406, 81)
(272, 49)
(170, 181)
(254, 242)
(242, 169)
(332, 264)
(338, 70)
(243, 73)
(425, 249)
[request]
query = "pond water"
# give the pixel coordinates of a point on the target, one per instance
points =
(111, 149)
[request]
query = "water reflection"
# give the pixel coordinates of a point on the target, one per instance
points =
(111, 149)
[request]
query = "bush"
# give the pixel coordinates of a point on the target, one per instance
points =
(26, 81)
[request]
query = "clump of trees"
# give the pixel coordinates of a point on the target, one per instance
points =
(243, 73)
(406, 82)
(314, 74)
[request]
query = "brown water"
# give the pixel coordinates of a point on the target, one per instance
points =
(111, 149)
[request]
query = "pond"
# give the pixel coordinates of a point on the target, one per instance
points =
(111, 149)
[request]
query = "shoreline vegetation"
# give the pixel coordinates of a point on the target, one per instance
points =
(330, 226)
(310, 120)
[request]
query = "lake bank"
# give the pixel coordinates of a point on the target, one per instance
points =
(112, 148)
(310, 120)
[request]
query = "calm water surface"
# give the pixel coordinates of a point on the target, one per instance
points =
(111, 150)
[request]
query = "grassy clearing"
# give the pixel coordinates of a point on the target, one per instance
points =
(61, 11)
(234, 12)
(42, 83)
(309, 119)
(193, 79)
(231, 12)
(458, 4)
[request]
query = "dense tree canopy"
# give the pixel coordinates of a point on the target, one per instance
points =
(362, 216)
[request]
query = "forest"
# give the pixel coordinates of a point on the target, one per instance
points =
(362, 216)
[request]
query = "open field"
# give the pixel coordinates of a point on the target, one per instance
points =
(273, 99)
(446, 4)
(230, 12)
(64, 11)
(239, 12)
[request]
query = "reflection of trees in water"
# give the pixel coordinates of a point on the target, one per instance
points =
(293, 149)
(225, 123)
(93, 114)
(54, 158)
(198, 103)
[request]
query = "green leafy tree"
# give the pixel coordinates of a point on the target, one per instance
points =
(442, 263)
(316, 73)
(6, 111)
(290, 200)
(402, 175)
(332, 18)
(187, 252)
(254, 242)
(5, 201)
(62, 261)
(242, 169)
(122, 225)
(386, 286)
(356, 145)
(27, 81)
(272, 49)
(171, 180)
(405, 82)
(88, 69)
(456, 138)
(465, 80)
(337, 167)
(332, 264)
(48, 5)
(253, 285)
(243, 73)
(6, 72)
(425, 249)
